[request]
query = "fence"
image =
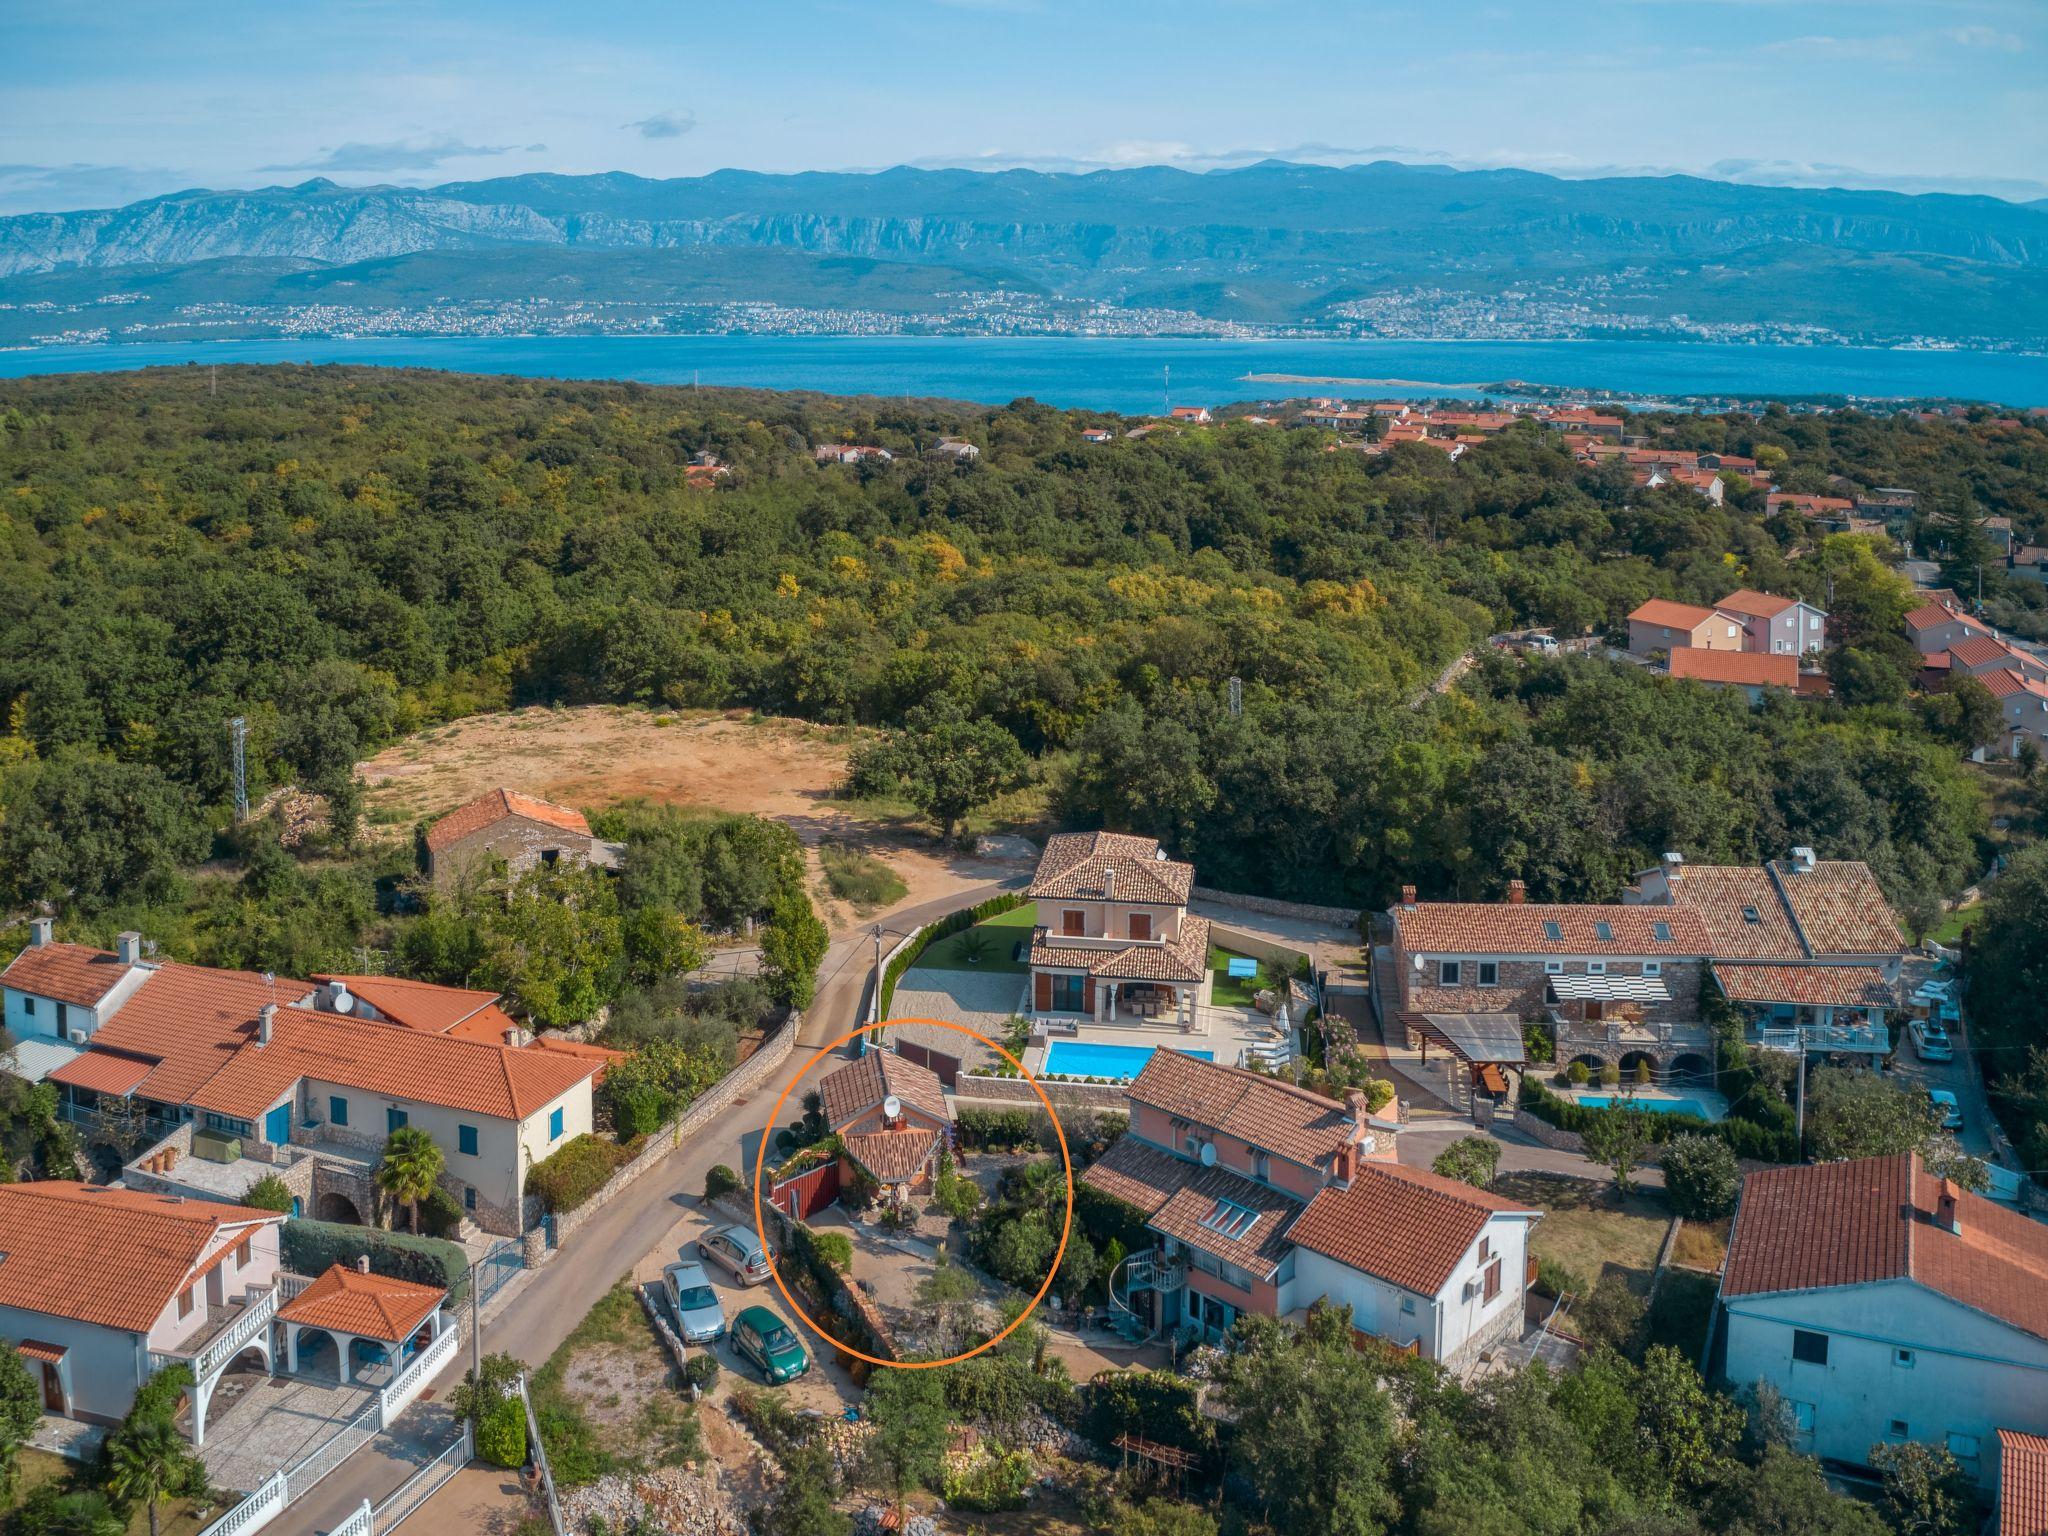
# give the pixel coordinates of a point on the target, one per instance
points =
(399, 1392)
(406, 1499)
(302, 1475)
(254, 1512)
(540, 1457)
(1346, 917)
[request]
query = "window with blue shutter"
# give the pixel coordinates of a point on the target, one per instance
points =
(337, 1109)
(465, 1140)
(555, 1125)
(394, 1119)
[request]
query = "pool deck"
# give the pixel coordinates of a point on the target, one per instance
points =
(1224, 1033)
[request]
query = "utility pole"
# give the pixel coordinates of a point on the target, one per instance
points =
(238, 733)
(1799, 1113)
(875, 1001)
(1236, 697)
(1166, 396)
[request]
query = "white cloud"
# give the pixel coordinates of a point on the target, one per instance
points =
(421, 153)
(664, 125)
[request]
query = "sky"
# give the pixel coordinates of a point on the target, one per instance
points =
(114, 100)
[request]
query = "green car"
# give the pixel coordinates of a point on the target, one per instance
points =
(771, 1344)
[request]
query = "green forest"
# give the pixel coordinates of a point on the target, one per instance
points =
(346, 555)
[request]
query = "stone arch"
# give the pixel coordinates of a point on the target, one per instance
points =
(1631, 1060)
(260, 1348)
(318, 1353)
(333, 1205)
(1691, 1067)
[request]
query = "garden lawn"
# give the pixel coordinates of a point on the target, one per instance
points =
(1585, 1231)
(1702, 1245)
(1955, 924)
(175, 1516)
(1000, 935)
(1226, 990)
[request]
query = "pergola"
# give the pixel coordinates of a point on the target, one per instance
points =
(1485, 1042)
(400, 1317)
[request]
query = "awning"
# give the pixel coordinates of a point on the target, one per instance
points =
(35, 1349)
(104, 1072)
(1609, 989)
(1479, 1037)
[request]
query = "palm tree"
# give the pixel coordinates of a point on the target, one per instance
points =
(148, 1458)
(411, 1169)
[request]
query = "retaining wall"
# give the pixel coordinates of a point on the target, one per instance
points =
(708, 1106)
(1014, 1090)
(1348, 916)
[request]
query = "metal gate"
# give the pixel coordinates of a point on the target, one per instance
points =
(505, 1259)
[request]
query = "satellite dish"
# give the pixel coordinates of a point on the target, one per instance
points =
(892, 1107)
(338, 998)
(1208, 1154)
(1420, 961)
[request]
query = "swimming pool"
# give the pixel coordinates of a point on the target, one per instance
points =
(1079, 1058)
(1654, 1106)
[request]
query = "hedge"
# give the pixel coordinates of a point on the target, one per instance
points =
(314, 1247)
(575, 1171)
(1747, 1138)
(501, 1434)
(951, 923)
(1000, 1129)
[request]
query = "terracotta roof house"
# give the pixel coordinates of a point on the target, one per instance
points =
(1934, 627)
(1978, 654)
(519, 829)
(1115, 940)
(892, 1120)
(1775, 625)
(1662, 625)
(1769, 927)
(1887, 1305)
(368, 1319)
(2023, 706)
(228, 1069)
(1266, 1198)
(1749, 671)
(2022, 1484)
(99, 1287)
(1199, 414)
(1584, 419)
(1615, 983)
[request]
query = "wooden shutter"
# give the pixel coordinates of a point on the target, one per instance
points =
(1042, 991)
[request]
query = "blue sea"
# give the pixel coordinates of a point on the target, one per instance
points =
(1129, 375)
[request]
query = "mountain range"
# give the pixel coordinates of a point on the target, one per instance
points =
(1273, 244)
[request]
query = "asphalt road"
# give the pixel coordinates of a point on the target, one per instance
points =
(549, 1303)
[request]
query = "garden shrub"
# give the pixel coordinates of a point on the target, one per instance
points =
(701, 1370)
(834, 1249)
(570, 1175)
(1577, 1074)
(313, 1247)
(501, 1433)
(1701, 1178)
(1760, 1141)
(640, 1109)
(440, 1214)
(269, 1193)
(1610, 1076)
(721, 1180)
(994, 1130)
(992, 1482)
(1643, 1073)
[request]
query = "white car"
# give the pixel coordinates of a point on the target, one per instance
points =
(699, 1317)
(1542, 644)
(1931, 1041)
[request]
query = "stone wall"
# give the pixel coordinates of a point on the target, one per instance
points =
(709, 1105)
(1014, 1090)
(1346, 916)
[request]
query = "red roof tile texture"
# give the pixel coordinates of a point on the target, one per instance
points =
(855, 1089)
(65, 973)
(2022, 1484)
(368, 1306)
(1876, 1218)
(1182, 1200)
(1659, 610)
(416, 1004)
(496, 805)
(114, 1257)
(1753, 604)
(1818, 986)
(1748, 669)
(1277, 1117)
(1934, 615)
(893, 1157)
(1780, 913)
(1079, 864)
(1402, 1225)
(1184, 958)
(1978, 651)
(1523, 928)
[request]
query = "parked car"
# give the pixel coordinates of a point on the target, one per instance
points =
(1931, 1041)
(1541, 643)
(738, 1251)
(699, 1317)
(770, 1345)
(1946, 1106)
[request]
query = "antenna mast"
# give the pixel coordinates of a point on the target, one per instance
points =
(238, 735)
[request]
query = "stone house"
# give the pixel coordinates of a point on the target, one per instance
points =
(891, 1117)
(1115, 940)
(519, 829)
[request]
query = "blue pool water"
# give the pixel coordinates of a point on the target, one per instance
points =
(1077, 1058)
(1654, 1106)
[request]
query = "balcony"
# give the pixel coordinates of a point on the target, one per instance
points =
(226, 1332)
(1862, 1038)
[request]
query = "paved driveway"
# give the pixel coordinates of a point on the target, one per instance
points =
(275, 1421)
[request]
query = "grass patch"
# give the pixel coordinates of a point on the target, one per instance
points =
(1679, 1315)
(176, 1517)
(1586, 1232)
(605, 1399)
(998, 938)
(1702, 1245)
(1956, 924)
(1226, 990)
(860, 878)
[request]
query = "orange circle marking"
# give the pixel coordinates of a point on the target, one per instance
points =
(768, 1248)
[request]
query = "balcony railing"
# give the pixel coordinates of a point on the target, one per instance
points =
(222, 1347)
(1865, 1038)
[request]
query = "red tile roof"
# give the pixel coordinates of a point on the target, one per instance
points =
(191, 1021)
(1839, 907)
(1185, 958)
(1754, 604)
(368, 1306)
(855, 1089)
(1978, 650)
(893, 1157)
(2005, 683)
(1663, 611)
(495, 806)
(1284, 1120)
(104, 1072)
(1075, 864)
(1402, 1225)
(1750, 669)
(1776, 913)
(1181, 1199)
(1872, 1219)
(1818, 986)
(1522, 928)
(1934, 615)
(114, 1257)
(65, 973)
(416, 1004)
(34, 1349)
(2022, 1484)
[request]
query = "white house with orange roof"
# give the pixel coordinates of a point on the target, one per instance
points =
(100, 1288)
(239, 1075)
(522, 830)
(1886, 1305)
(365, 1319)
(2022, 707)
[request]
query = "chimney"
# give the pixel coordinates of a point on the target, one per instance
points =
(518, 1037)
(1408, 896)
(39, 931)
(1517, 893)
(1354, 1100)
(1109, 885)
(1802, 861)
(266, 1021)
(129, 947)
(1344, 1168)
(1673, 861)
(362, 1263)
(1948, 1214)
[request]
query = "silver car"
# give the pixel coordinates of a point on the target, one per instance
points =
(695, 1304)
(738, 1251)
